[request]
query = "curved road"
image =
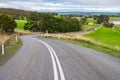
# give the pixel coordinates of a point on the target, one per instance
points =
(46, 59)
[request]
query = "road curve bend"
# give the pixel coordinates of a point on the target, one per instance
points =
(47, 59)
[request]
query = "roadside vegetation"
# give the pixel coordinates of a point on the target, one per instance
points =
(89, 44)
(11, 47)
(105, 39)
(7, 36)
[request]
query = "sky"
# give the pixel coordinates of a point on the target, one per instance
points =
(63, 5)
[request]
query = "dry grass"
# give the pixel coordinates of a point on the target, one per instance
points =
(22, 32)
(4, 37)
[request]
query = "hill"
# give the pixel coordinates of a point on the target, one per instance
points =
(90, 13)
(16, 13)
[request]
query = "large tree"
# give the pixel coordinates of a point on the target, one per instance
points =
(83, 20)
(102, 18)
(7, 23)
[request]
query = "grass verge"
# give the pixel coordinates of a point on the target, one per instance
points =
(89, 44)
(11, 47)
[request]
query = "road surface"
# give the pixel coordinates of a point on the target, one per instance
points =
(46, 59)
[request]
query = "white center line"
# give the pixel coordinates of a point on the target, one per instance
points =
(54, 56)
(59, 65)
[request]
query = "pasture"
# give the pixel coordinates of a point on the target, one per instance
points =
(106, 36)
(20, 24)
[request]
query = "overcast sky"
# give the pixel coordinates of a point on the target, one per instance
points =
(63, 5)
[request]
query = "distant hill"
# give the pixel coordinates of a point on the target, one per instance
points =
(16, 13)
(90, 13)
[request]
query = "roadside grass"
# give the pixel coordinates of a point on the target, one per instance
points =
(89, 44)
(106, 40)
(20, 24)
(4, 37)
(11, 47)
(114, 18)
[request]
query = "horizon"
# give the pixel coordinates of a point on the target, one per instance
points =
(63, 6)
(61, 11)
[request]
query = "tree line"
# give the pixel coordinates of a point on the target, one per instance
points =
(105, 20)
(99, 19)
(45, 21)
(48, 21)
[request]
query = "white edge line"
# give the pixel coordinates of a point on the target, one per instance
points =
(53, 60)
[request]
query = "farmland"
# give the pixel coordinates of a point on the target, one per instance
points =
(114, 18)
(20, 24)
(106, 36)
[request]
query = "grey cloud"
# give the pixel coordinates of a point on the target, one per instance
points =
(63, 5)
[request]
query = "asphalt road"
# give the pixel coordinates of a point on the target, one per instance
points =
(46, 59)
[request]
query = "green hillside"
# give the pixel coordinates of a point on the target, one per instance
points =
(107, 36)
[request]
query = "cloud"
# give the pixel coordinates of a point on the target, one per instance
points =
(61, 5)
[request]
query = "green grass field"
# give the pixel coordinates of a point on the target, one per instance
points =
(85, 27)
(91, 20)
(88, 19)
(114, 18)
(20, 24)
(106, 36)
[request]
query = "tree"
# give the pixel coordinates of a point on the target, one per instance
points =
(104, 19)
(33, 22)
(100, 19)
(111, 25)
(46, 21)
(95, 17)
(106, 24)
(83, 20)
(7, 23)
